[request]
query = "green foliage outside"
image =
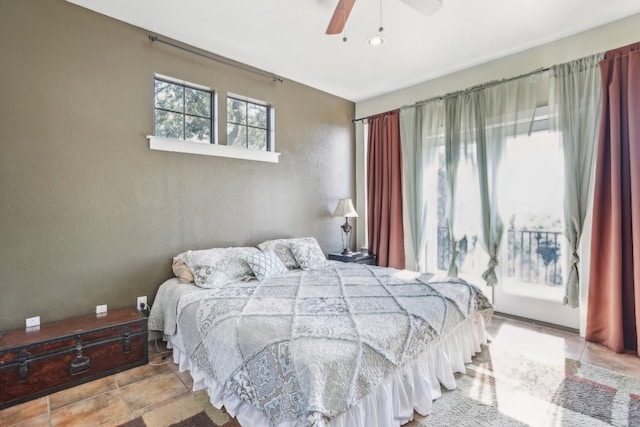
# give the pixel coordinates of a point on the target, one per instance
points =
(246, 124)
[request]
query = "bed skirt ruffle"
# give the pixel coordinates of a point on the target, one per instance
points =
(392, 403)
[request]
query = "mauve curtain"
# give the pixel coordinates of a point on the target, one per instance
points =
(613, 317)
(384, 189)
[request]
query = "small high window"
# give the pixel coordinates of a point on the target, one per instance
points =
(186, 121)
(183, 111)
(249, 124)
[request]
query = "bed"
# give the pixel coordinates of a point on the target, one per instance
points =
(330, 344)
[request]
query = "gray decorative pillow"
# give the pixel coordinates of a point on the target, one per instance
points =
(266, 265)
(308, 253)
(281, 248)
(207, 276)
(218, 266)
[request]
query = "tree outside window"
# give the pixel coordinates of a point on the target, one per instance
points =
(182, 112)
(248, 125)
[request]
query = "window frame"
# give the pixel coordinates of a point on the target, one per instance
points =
(212, 147)
(270, 121)
(213, 104)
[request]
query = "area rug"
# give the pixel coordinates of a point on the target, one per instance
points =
(514, 390)
(506, 390)
(188, 411)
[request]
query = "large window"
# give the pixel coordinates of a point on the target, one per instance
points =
(532, 207)
(183, 111)
(530, 192)
(249, 124)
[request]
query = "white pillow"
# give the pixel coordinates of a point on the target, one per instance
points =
(308, 253)
(266, 265)
(219, 266)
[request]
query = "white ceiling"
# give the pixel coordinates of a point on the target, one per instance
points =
(287, 37)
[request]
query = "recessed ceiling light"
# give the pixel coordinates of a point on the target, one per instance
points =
(376, 40)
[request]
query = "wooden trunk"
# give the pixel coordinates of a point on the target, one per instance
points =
(63, 354)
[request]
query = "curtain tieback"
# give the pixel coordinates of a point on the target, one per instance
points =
(490, 273)
(493, 261)
(453, 267)
(575, 259)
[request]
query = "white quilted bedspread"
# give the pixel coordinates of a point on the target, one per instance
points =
(310, 344)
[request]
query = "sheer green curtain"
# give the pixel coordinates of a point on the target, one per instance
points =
(575, 115)
(461, 129)
(421, 127)
(505, 110)
(478, 124)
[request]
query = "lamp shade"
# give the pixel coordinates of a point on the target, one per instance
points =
(345, 209)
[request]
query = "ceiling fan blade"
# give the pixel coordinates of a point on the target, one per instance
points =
(340, 15)
(425, 7)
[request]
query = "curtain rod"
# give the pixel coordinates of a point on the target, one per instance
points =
(213, 58)
(377, 114)
(470, 89)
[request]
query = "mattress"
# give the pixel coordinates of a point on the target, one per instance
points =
(345, 345)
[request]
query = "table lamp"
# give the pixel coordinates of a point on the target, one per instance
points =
(345, 209)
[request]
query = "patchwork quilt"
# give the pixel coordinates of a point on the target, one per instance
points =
(310, 344)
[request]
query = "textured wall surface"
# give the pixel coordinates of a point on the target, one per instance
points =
(89, 214)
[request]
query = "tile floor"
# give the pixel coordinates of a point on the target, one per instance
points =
(127, 395)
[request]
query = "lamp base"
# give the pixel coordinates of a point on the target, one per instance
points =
(346, 228)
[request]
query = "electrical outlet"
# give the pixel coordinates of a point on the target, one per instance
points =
(100, 309)
(32, 321)
(141, 303)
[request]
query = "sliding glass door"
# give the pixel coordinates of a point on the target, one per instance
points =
(534, 249)
(532, 258)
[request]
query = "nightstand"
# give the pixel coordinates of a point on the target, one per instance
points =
(359, 257)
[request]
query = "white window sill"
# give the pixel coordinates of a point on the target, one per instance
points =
(190, 147)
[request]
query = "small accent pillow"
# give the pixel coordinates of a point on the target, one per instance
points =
(308, 253)
(218, 266)
(181, 270)
(266, 265)
(281, 248)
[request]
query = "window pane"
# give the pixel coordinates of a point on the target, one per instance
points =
(198, 102)
(531, 196)
(169, 96)
(197, 129)
(236, 135)
(168, 125)
(257, 139)
(236, 111)
(257, 116)
(471, 259)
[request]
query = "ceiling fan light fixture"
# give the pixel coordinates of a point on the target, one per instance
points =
(375, 41)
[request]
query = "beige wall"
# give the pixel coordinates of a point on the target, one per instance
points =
(88, 214)
(616, 34)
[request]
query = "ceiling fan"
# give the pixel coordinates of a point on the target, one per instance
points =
(343, 9)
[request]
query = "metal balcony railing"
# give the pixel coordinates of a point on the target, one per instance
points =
(533, 256)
